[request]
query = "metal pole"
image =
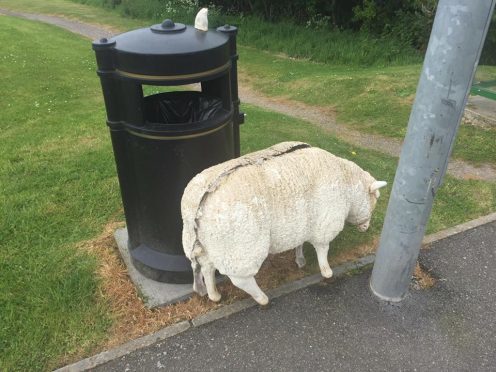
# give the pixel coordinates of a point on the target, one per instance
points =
(456, 41)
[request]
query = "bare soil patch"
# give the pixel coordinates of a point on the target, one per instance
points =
(422, 279)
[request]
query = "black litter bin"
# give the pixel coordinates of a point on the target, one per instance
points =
(161, 141)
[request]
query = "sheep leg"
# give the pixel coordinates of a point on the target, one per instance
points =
(198, 284)
(300, 258)
(250, 286)
(208, 272)
(322, 250)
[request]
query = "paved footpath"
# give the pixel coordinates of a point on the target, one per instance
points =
(341, 326)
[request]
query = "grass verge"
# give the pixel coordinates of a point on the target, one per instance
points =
(317, 44)
(374, 99)
(74, 10)
(59, 191)
(58, 187)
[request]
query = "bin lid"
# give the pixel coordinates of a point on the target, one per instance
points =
(168, 51)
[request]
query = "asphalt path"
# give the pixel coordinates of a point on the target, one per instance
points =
(341, 326)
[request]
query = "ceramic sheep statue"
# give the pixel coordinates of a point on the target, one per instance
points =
(236, 213)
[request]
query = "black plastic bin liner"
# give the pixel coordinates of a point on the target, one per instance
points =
(181, 107)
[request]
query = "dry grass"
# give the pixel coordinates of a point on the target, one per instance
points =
(355, 253)
(422, 278)
(132, 319)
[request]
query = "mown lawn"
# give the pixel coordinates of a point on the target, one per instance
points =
(73, 10)
(375, 99)
(372, 99)
(58, 187)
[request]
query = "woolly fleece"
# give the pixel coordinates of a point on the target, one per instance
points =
(237, 212)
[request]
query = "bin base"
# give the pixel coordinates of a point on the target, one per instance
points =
(162, 267)
(155, 294)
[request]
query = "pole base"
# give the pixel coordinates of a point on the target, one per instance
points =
(386, 298)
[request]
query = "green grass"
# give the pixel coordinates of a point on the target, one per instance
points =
(320, 45)
(73, 10)
(457, 200)
(336, 47)
(325, 46)
(485, 73)
(369, 99)
(375, 99)
(476, 145)
(58, 187)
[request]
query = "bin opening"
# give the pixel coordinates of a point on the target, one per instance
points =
(150, 90)
(181, 107)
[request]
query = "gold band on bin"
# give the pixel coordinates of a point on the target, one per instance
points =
(169, 138)
(174, 77)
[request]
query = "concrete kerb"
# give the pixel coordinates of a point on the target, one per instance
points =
(225, 311)
(429, 239)
(128, 347)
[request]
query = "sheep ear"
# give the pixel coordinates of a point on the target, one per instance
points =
(376, 185)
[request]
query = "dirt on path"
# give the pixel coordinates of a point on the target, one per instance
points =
(324, 118)
(85, 29)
